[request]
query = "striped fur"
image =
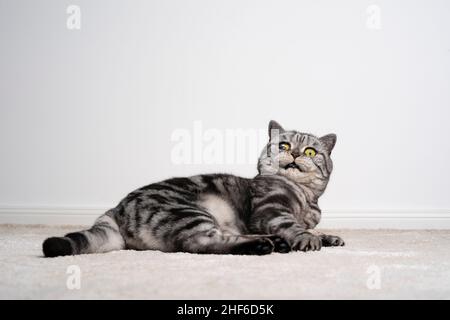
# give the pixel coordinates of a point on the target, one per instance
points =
(221, 213)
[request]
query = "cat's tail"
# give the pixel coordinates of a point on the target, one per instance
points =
(103, 236)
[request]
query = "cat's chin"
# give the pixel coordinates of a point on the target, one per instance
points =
(292, 170)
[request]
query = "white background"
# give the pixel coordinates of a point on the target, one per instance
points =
(87, 115)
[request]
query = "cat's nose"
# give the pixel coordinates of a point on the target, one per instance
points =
(295, 154)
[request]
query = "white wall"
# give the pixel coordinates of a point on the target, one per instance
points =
(87, 115)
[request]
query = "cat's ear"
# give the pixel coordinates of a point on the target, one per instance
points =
(328, 141)
(274, 128)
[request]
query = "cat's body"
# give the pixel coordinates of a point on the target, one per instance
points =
(221, 213)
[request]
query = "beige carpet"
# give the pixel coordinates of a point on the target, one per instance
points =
(375, 264)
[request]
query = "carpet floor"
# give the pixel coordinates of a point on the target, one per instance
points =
(374, 264)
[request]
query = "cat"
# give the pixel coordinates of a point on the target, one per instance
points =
(222, 213)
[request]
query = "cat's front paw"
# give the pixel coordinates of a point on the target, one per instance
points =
(332, 241)
(307, 242)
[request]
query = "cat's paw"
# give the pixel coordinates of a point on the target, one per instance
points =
(280, 245)
(307, 242)
(332, 241)
(57, 246)
(258, 246)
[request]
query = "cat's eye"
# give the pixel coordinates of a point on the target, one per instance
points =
(310, 152)
(284, 146)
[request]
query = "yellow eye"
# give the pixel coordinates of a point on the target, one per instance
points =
(310, 152)
(284, 146)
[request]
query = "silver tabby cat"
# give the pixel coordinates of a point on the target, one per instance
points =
(222, 213)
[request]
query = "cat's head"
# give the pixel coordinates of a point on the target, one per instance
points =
(301, 157)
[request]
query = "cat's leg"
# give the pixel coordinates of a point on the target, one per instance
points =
(283, 224)
(214, 241)
(279, 244)
(103, 236)
(194, 230)
(327, 239)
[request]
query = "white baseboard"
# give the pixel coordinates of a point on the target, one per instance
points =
(331, 219)
(50, 215)
(386, 219)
